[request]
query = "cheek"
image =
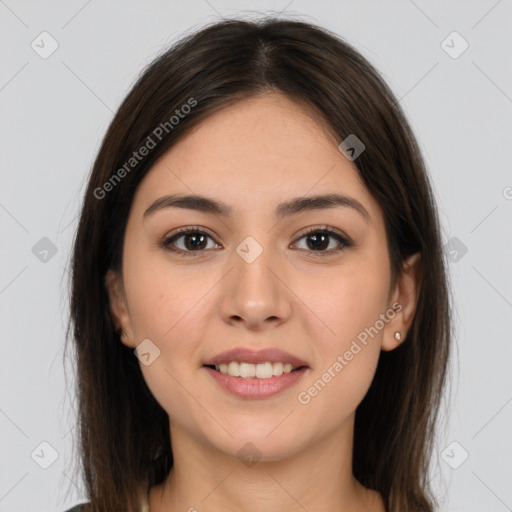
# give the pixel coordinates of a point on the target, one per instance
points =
(163, 313)
(344, 303)
(333, 394)
(348, 355)
(347, 359)
(169, 307)
(163, 300)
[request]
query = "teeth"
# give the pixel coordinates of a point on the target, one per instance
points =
(260, 371)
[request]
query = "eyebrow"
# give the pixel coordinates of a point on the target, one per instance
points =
(294, 206)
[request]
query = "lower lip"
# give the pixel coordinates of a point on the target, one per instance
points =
(256, 388)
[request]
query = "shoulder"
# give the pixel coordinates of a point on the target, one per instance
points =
(78, 508)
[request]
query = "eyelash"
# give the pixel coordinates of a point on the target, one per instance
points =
(166, 242)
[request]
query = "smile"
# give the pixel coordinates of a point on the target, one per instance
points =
(256, 387)
(260, 371)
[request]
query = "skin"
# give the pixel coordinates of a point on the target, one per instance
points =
(252, 156)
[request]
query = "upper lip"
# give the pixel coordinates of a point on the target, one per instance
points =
(247, 355)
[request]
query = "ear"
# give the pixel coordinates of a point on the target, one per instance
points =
(119, 307)
(403, 301)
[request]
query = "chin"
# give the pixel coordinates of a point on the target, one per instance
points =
(252, 446)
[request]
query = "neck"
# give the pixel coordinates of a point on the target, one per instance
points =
(316, 478)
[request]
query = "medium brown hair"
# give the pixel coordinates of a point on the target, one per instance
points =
(124, 445)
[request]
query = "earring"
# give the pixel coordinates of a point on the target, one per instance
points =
(398, 336)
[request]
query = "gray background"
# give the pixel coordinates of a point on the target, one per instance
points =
(54, 112)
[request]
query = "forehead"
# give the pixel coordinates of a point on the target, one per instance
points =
(254, 154)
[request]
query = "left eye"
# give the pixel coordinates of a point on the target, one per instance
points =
(317, 240)
(195, 240)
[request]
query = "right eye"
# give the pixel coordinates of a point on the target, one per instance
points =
(195, 239)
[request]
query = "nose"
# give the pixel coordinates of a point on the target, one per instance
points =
(255, 293)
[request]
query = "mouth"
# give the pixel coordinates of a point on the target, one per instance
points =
(265, 370)
(254, 387)
(249, 374)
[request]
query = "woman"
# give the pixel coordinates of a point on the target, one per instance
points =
(259, 307)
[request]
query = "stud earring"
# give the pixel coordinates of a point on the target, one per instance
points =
(398, 336)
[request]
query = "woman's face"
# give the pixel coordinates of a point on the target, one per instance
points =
(252, 279)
